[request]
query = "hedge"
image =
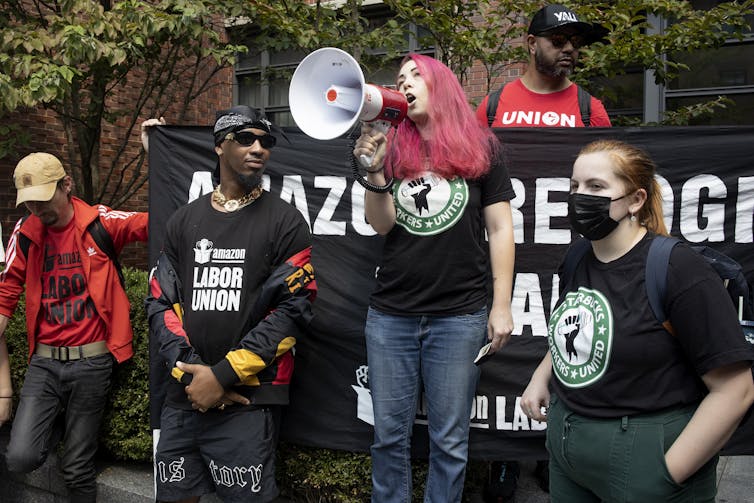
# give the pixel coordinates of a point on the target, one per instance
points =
(304, 474)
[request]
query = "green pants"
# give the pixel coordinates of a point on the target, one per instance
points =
(620, 460)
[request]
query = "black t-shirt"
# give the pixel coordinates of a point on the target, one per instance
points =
(612, 357)
(222, 260)
(434, 261)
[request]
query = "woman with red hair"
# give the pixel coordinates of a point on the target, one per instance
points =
(428, 316)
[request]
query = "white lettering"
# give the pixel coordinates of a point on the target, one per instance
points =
(480, 408)
(700, 222)
(535, 118)
(237, 476)
(520, 420)
(667, 200)
(528, 292)
(517, 214)
(215, 300)
(222, 277)
(292, 192)
(358, 218)
(702, 215)
(201, 183)
(745, 210)
(545, 210)
(324, 224)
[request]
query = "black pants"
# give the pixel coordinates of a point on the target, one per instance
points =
(76, 389)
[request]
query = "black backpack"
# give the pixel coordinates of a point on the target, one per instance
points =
(731, 273)
(101, 237)
(585, 105)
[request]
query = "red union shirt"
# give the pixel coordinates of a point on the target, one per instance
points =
(520, 107)
(67, 316)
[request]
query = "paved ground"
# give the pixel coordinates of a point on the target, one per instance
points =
(735, 482)
(133, 483)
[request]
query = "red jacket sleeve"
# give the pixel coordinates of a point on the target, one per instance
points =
(13, 277)
(124, 226)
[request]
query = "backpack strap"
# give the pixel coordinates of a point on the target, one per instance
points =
(572, 258)
(492, 101)
(585, 106)
(105, 243)
(23, 241)
(656, 276)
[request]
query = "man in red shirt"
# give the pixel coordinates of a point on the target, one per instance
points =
(544, 96)
(77, 320)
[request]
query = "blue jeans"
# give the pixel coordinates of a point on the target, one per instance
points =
(403, 352)
(77, 389)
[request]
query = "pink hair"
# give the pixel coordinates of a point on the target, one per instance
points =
(459, 144)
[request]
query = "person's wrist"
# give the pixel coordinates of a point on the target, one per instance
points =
(377, 177)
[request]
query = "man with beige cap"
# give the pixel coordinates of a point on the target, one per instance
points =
(77, 320)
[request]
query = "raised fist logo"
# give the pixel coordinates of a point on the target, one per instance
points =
(418, 190)
(569, 330)
(362, 376)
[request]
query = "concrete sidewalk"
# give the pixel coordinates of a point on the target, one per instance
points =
(132, 483)
(735, 482)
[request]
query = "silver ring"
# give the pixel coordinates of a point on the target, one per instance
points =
(221, 406)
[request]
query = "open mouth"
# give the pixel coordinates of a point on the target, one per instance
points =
(410, 98)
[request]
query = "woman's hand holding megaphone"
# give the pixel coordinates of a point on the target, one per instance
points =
(370, 150)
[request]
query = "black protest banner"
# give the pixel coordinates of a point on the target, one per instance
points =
(708, 185)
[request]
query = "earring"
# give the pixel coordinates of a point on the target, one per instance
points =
(633, 217)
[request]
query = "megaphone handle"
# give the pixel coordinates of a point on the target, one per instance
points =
(382, 127)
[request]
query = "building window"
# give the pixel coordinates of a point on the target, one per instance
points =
(262, 81)
(727, 71)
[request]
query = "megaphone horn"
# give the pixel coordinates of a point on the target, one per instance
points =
(328, 95)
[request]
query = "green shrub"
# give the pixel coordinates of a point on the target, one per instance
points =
(125, 429)
(309, 474)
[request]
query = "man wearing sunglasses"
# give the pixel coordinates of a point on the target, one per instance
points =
(229, 297)
(544, 96)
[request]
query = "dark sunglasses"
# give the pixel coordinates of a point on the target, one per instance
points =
(247, 139)
(558, 40)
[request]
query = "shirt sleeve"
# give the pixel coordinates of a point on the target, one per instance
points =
(164, 307)
(496, 185)
(124, 226)
(702, 314)
(481, 112)
(598, 117)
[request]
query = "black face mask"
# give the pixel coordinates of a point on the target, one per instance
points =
(590, 215)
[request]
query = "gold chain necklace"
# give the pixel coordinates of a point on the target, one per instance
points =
(232, 205)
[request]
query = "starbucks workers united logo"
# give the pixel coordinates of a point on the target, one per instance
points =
(580, 336)
(430, 204)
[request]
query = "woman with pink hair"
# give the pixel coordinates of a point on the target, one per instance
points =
(428, 316)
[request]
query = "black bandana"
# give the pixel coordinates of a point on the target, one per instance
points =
(238, 118)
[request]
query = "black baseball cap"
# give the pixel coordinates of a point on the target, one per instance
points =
(552, 17)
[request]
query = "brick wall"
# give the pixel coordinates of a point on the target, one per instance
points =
(47, 135)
